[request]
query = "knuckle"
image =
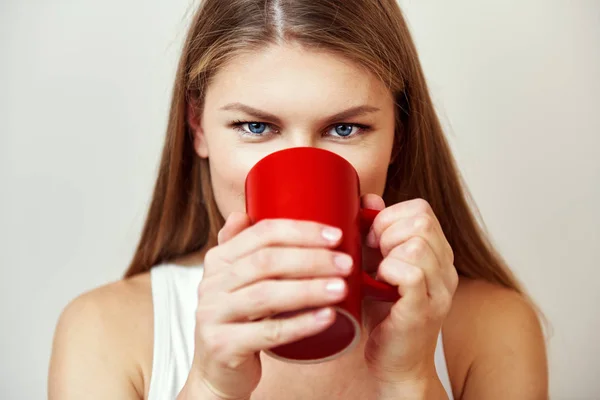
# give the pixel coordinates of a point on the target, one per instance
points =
(416, 247)
(312, 260)
(425, 223)
(264, 226)
(385, 218)
(386, 265)
(446, 303)
(422, 206)
(386, 268)
(327, 258)
(274, 331)
(454, 279)
(232, 275)
(308, 229)
(321, 257)
(298, 229)
(258, 296)
(269, 230)
(415, 277)
(214, 342)
(261, 260)
(387, 242)
(314, 290)
(443, 304)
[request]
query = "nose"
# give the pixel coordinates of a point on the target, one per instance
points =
(303, 138)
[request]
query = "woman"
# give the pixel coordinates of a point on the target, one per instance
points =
(186, 322)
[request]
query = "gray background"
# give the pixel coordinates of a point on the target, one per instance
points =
(84, 94)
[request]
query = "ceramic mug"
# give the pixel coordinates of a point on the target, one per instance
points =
(307, 183)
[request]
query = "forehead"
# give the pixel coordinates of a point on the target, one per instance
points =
(282, 75)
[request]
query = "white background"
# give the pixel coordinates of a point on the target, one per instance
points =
(84, 94)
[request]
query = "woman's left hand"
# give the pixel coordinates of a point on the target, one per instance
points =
(417, 259)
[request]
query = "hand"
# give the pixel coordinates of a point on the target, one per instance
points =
(417, 259)
(271, 267)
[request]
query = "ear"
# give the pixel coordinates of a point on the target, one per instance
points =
(193, 121)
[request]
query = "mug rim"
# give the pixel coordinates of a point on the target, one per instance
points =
(302, 148)
(350, 347)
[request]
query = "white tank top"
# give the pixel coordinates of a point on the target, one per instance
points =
(174, 295)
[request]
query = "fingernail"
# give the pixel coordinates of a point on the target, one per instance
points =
(332, 234)
(324, 315)
(343, 262)
(335, 286)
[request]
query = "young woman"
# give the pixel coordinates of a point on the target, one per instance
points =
(187, 322)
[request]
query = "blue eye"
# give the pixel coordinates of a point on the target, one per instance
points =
(344, 129)
(257, 127)
(264, 130)
(253, 128)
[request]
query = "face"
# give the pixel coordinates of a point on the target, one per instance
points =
(287, 96)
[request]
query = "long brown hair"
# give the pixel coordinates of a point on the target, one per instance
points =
(183, 216)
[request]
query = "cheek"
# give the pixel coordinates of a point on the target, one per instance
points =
(372, 170)
(372, 167)
(228, 175)
(372, 178)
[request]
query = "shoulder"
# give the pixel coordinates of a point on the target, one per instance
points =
(105, 334)
(494, 338)
(485, 304)
(494, 313)
(110, 307)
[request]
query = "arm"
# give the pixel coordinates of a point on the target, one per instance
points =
(94, 354)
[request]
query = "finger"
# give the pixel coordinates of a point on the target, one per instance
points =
(397, 211)
(284, 262)
(370, 253)
(278, 232)
(417, 253)
(235, 223)
(411, 284)
(271, 297)
(372, 201)
(273, 332)
(424, 226)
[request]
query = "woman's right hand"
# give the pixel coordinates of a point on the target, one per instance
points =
(254, 272)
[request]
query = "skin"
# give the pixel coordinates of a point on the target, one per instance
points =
(493, 340)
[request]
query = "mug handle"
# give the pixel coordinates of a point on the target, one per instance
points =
(373, 288)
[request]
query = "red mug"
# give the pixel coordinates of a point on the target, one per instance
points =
(307, 183)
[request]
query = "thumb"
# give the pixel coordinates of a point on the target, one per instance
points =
(234, 224)
(372, 201)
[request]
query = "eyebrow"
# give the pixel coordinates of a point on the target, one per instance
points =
(263, 115)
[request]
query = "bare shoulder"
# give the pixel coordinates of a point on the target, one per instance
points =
(104, 338)
(494, 343)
